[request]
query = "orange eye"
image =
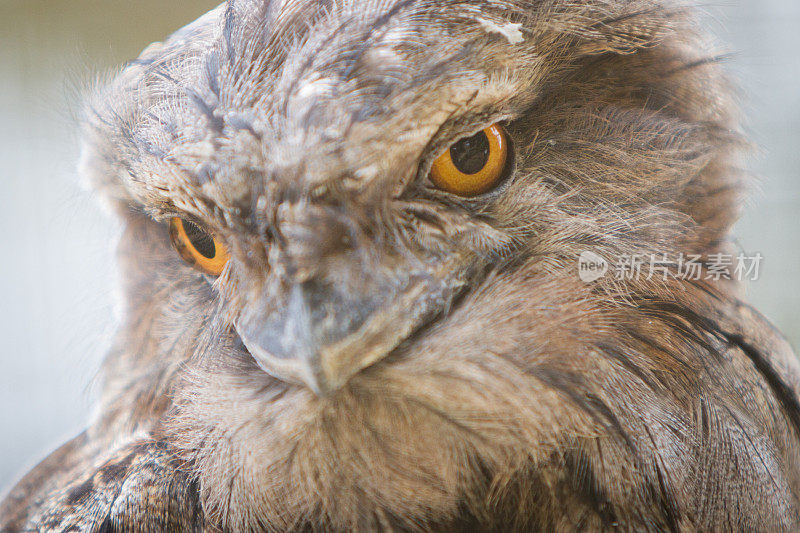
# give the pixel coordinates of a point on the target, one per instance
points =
(198, 247)
(473, 165)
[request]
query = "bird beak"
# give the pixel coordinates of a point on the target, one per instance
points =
(316, 335)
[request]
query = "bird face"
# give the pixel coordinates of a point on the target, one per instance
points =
(377, 209)
(340, 241)
(336, 255)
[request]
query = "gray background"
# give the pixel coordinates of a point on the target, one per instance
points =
(56, 266)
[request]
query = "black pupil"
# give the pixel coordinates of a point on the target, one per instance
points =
(471, 154)
(202, 241)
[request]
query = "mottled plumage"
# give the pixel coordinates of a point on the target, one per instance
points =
(445, 367)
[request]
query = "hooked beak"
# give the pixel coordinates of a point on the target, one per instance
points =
(320, 336)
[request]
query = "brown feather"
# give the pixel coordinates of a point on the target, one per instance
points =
(524, 399)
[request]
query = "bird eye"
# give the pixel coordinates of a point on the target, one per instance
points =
(198, 247)
(473, 165)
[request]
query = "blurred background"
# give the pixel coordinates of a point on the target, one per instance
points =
(57, 274)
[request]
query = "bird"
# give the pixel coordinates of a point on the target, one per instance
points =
(384, 266)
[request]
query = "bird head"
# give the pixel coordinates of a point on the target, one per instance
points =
(375, 211)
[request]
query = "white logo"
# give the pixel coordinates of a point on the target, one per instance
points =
(591, 267)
